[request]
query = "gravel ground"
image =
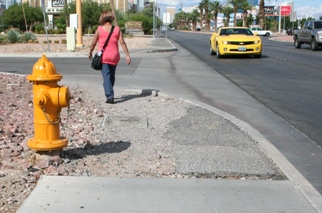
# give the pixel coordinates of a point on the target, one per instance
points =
(118, 140)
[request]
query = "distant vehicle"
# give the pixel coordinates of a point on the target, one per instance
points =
(310, 34)
(235, 41)
(261, 32)
(163, 29)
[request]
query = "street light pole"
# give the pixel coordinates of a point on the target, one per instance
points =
(45, 24)
(156, 15)
(154, 18)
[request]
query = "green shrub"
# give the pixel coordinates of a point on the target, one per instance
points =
(28, 36)
(4, 39)
(14, 36)
(39, 28)
(45, 41)
(56, 41)
(63, 41)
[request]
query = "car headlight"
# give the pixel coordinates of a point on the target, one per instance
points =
(320, 33)
(257, 41)
(225, 42)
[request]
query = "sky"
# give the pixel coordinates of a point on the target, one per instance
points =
(301, 7)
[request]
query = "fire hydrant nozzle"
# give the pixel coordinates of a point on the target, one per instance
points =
(49, 98)
(40, 99)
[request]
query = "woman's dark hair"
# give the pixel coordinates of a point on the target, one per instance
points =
(106, 16)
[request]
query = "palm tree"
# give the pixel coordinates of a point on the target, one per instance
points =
(216, 8)
(193, 17)
(245, 7)
(201, 7)
(181, 18)
(261, 14)
(227, 10)
(204, 5)
(236, 4)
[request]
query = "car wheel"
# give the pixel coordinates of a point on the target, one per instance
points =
(267, 34)
(314, 45)
(211, 51)
(297, 44)
(218, 52)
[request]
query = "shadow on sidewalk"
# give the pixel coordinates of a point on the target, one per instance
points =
(144, 93)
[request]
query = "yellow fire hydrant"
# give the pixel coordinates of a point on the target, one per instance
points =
(48, 99)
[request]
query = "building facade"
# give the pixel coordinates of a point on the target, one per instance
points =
(172, 12)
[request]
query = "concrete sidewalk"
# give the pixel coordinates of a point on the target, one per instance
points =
(282, 38)
(106, 194)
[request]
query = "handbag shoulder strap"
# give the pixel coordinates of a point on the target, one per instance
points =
(108, 38)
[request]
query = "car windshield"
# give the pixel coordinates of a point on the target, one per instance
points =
(235, 31)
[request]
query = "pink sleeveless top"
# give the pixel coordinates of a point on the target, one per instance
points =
(111, 54)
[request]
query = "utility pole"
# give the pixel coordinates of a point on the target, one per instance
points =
(79, 24)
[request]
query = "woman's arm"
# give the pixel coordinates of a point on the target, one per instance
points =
(124, 47)
(93, 44)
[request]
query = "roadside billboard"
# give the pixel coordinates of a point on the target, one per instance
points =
(285, 10)
(274, 11)
(270, 10)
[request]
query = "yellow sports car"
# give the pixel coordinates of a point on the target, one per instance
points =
(235, 41)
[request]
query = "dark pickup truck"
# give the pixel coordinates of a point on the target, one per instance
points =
(310, 34)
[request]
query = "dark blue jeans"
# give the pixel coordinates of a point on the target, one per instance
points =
(108, 73)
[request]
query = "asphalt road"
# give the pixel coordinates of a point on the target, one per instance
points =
(285, 79)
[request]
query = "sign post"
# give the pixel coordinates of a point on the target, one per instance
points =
(70, 32)
(45, 24)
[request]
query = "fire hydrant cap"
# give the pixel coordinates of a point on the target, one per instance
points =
(44, 70)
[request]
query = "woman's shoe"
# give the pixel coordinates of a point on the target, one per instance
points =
(110, 100)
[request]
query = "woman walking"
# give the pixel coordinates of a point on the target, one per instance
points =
(111, 54)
